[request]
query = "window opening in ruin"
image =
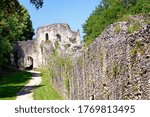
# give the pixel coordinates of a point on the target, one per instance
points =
(46, 37)
(29, 63)
(58, 37)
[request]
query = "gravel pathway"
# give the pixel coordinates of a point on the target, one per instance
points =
(26, 92)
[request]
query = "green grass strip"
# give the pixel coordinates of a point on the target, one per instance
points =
(11, 83)
(46, 90)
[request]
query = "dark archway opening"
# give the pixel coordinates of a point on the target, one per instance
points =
(46, 37)
(29, 63)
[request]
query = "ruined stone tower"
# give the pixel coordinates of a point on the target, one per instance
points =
(29, 54)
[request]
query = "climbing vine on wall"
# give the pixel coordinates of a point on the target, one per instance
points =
(59, 67)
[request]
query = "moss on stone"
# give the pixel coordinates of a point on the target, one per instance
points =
(135, 26)
(100, 57)
(140, 47)
(115, 70)
(117, 29)
(48, 41)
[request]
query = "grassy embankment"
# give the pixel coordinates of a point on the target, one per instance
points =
(11, 83)
(46, 91)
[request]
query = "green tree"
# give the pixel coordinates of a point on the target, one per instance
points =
(25, 25)
(9, 4)
(110, 11)
(15, 25)
(38, 3)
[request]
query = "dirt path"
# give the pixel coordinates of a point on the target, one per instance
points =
(26, 92)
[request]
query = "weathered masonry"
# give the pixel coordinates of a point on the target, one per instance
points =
(115, 66)
(30, 54)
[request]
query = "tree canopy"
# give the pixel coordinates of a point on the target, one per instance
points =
(15, 25)
(38, 3)
(110, 11)
(9, 4)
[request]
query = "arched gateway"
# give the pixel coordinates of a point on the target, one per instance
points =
(29, 63)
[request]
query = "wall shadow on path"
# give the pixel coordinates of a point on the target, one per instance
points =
(10, 91)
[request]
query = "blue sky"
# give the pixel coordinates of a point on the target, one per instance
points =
(72, 12)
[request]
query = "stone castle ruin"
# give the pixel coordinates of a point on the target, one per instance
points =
(31, 54)
(115, 66)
